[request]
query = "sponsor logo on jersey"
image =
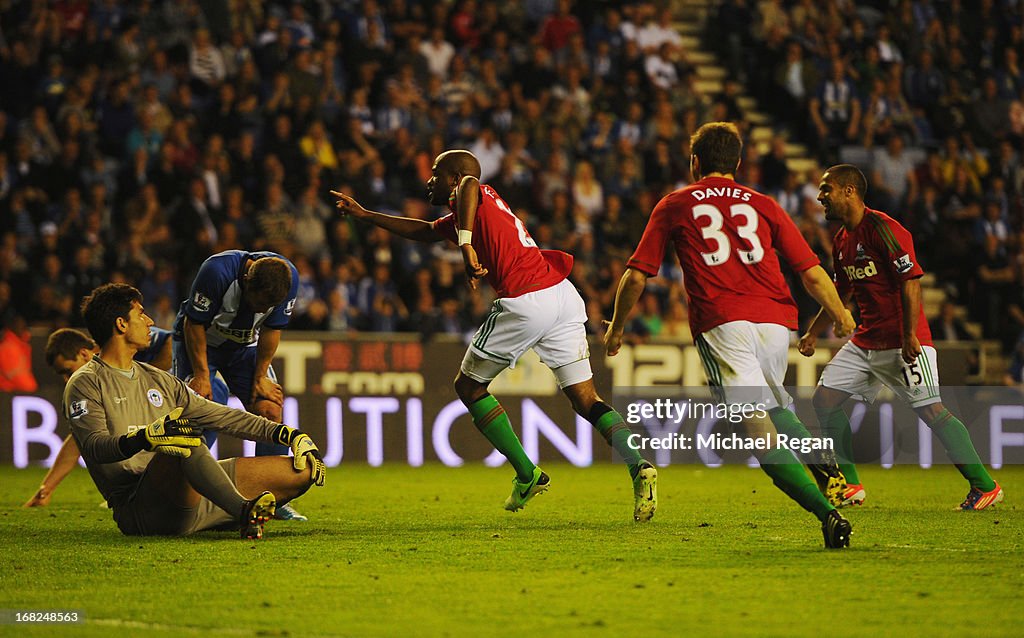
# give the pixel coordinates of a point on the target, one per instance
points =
(201, 302)
(79, 409)
(288, 308)
(903, 264)
(238, 335)
(855, 273)
(155, 397)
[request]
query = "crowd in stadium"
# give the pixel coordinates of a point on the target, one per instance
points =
(138, 138)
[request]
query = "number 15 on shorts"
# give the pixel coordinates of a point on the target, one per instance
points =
(912, 374)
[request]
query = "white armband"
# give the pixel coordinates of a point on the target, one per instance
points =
(465, 237)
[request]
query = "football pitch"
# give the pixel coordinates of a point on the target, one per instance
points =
(400, 551)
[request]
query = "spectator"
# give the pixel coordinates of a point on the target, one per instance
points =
(559, 27)
(894, 181)
(835, 111)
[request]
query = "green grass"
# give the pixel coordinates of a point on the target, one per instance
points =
(403, 551)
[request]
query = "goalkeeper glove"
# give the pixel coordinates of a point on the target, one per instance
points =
(304, 452)
(171, 435)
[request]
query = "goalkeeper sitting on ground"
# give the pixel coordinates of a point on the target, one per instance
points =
(160, 478)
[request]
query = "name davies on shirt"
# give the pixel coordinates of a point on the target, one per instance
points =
(724, 191)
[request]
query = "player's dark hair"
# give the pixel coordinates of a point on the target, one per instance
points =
(67, 343)
(461, 162)
(104, 306)
(272, 278)
(849, 175)
(718, 146)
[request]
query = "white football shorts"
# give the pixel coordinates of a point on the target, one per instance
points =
(552, 321)
(862, 373)
(746, 362)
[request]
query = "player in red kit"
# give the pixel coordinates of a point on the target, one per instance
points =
(536, 307)
(741, 311)
(876, 266)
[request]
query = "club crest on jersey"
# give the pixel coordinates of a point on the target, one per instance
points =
(79, 409)
(155, 397)
(860, 252)
(201, 302)
(903, 264)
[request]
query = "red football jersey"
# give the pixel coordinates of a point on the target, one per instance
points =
(515, 266)
(873, 260)
(726, 236)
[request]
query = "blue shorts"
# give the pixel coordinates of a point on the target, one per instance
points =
(236, 366)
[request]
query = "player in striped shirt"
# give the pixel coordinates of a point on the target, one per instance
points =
(231, 322)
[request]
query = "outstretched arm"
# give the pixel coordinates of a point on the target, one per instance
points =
(415, 229)
(66, 460)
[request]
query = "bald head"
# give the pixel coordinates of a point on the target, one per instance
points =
(448, 170)
(459, 162)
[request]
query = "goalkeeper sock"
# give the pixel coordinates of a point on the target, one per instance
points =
(490, 418)
(836, 426)
(789, 476)
(614, 430)
(208, 478)
(957, 441)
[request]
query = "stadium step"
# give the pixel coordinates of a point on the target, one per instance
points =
(760, 134)
(686, 27)
(695, 11)
(800, 165)
(797, 151)
(708, 87)
(698, 58)
(711, 72)
(689, 42)
(757, 118)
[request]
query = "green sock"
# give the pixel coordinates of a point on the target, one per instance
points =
(957, 441)
(789, 476)
(836, 426)
(613, 428)
(786, 422)
(490, 418)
